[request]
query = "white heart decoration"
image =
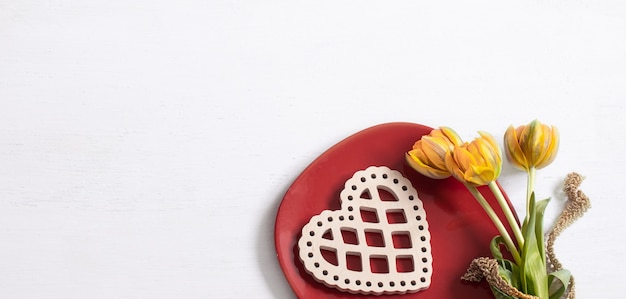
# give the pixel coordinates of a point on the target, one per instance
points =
(377, 243)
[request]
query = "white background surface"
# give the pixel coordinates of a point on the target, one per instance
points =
(145, 145)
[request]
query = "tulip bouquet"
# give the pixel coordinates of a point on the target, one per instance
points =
(442, 154)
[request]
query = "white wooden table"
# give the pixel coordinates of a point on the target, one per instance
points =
(145, 145)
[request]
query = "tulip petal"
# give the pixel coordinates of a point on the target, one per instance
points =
(513, 151)
(492, 153)
(533, 145)
(452, 136)
(551, 148)
(453, 167)
(417, 144)
(417, 164)
(435, 149)
(525, 142)
(480, 175)
(463, 158)
(428, 154)
(535, 142)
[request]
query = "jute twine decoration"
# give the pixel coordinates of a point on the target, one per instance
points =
(487, 268)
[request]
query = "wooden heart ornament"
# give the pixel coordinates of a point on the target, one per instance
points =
(377, 243)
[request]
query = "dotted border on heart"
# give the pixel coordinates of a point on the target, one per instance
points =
(349, 218)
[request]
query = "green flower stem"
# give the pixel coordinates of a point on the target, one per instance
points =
(530, 187)
(508, 213)
(496, 221)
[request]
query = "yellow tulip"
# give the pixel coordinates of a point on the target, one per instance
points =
(531, 146)
(476, 163)
(428, 154)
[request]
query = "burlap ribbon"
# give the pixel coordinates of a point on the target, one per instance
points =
(487, 268)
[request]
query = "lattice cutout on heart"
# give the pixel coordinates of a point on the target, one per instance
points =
(377, 243)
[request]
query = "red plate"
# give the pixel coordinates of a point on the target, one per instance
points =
(460, 230)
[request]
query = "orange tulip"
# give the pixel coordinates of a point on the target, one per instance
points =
(428, 154)
(477, 163)
(531, 146)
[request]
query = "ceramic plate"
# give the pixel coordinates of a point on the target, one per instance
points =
(460, 230)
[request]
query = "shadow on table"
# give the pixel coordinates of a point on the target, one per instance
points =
(266, 254)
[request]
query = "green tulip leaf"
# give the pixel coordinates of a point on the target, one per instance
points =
(540, 212)
(510, 272)
(507, 269)
(506, 274)
(533, 268)
(558, 282)
(495, 247)
(498, 294)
